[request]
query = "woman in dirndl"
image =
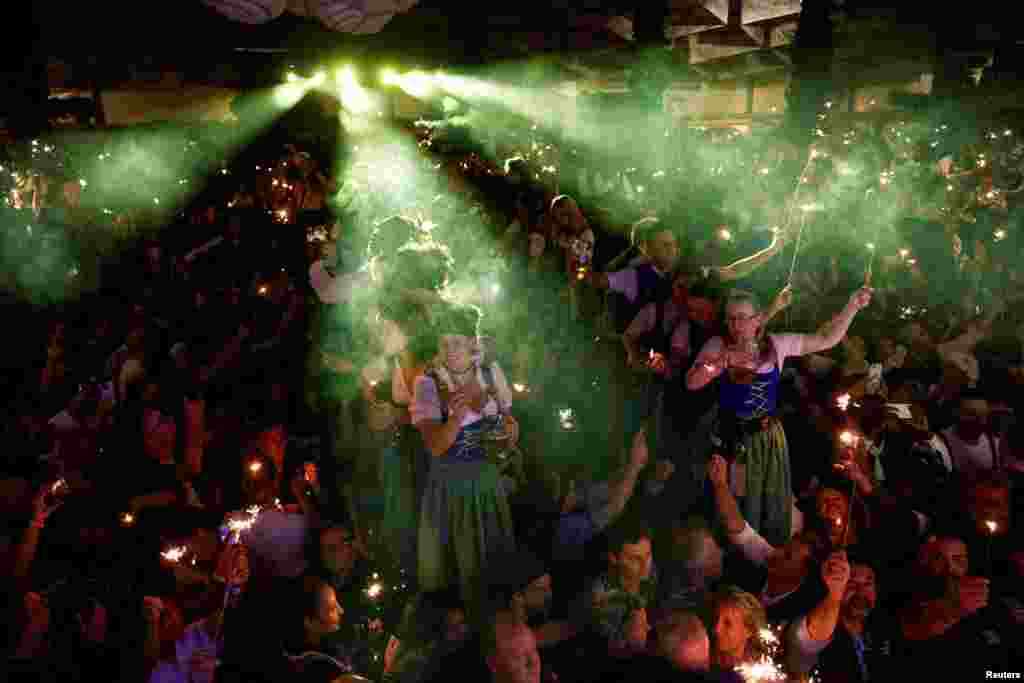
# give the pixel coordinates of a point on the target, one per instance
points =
(458, 406)
(750, 365)
(402, 315)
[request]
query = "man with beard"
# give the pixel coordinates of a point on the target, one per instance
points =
(950, 626)
(852, 645)
(972, 446)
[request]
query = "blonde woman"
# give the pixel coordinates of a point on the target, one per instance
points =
(464, 514)
(736, 619)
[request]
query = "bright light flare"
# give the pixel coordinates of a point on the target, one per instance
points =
(848, 438)
(374, 591)
(991, 526)
(764, 670)
(354, 97)
(843, 402)
(419, 84)
(255, 467)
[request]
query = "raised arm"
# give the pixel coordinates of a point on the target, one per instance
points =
(780, 303)
(810, 634)
(622, 488)
(831, 335)
(747, 265)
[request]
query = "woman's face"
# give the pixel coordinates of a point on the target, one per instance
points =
(457, 352)
(567, 214)
(731, 631)
(831, 505)
(743, 321)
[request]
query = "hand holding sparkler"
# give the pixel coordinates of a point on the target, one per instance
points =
(861, 298)
(44, 504)
(657, 363)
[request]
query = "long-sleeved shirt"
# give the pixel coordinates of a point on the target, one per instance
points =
(335, 289)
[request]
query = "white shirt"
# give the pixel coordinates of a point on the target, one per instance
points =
(334, 289)
(426, 404)
(752, 545)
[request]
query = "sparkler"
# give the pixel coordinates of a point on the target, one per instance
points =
(174, 554)
(991, 527)
(763, 670)
(766, 668)
(843, 402)
(127, 519)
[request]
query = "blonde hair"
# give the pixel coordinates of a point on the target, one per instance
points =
(753, 614)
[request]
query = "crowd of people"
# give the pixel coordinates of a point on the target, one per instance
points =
(569, 451)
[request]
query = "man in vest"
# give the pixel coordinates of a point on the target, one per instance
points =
(650, 279)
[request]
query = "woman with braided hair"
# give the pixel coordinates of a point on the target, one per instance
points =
(408, 294)
(464, 514)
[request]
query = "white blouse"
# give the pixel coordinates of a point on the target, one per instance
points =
(426, 403)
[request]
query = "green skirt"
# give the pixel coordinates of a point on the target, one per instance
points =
(767, 503)
(464, 521)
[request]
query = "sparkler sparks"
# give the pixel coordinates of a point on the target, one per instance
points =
(848, 438)
(991, 526)
(843, 402)
(763, 670)
(174, 554)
